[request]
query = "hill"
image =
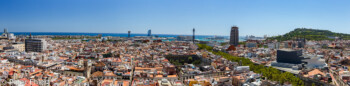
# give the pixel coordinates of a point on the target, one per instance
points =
(311, 34)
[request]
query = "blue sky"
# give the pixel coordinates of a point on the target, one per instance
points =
(209, 17)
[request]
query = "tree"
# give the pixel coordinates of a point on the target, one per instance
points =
(197, 62)
(310, 34)
(268, 72)
(190, 58)
(107, 55)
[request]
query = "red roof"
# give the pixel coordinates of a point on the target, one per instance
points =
(28, 83)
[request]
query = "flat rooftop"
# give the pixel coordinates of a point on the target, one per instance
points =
(288, 50)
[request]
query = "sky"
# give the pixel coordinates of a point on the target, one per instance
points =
(208, 17)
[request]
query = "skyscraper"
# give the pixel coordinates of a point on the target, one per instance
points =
(149, 33)
(129, 33)
(8, 35)
(193, 37)
(5, 34)
(5, 30)
(234, 39)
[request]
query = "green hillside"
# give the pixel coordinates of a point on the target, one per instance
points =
(310, 34)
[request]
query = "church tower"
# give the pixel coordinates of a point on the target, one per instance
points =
(87, 67)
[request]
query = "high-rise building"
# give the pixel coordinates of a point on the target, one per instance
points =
(35, 45)
(5, 30)
(8, 35)
(129, 33)
(234, 39)
(149, 33)
(193, 37)
(289, 56)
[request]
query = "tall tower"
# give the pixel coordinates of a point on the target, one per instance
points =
(149, 33)
(5, 30)
(193, 37)
(129, 33)
(87, 67)
(234, 39)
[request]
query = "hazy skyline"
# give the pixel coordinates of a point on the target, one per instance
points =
(209, 17)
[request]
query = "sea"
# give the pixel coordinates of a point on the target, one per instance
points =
(198, 37)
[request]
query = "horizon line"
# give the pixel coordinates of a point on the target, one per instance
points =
(116, 33)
